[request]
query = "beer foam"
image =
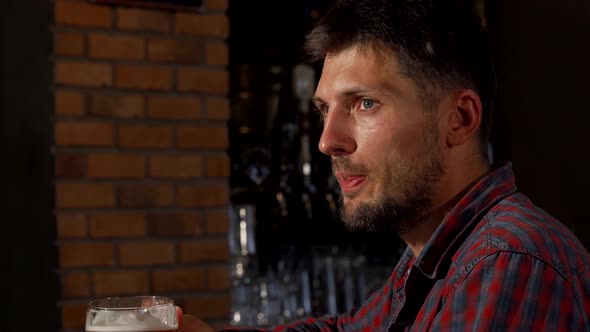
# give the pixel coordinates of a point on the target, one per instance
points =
(108, 321)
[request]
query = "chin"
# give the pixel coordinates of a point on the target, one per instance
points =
(356, 217)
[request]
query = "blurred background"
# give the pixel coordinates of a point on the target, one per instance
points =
(171, 152)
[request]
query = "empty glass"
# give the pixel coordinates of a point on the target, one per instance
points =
(132, 314)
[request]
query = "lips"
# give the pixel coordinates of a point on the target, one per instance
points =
(350, 182)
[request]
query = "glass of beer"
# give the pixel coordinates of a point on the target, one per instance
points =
(132, 314)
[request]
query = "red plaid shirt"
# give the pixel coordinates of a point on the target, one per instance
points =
(496, 263)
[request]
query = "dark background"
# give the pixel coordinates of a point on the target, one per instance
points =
(542, 119)
(29, 287)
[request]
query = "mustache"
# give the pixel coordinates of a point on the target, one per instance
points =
(343, 164)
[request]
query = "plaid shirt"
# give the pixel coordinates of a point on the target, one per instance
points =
(496, 263)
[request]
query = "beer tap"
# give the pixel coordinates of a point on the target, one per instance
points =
(304, 86)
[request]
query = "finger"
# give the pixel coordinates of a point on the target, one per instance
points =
(179, 317)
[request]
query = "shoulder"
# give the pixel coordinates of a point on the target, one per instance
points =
(516, 225)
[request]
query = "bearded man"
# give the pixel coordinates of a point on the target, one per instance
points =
(406, 96)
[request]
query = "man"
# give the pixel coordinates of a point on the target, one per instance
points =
(405, 95)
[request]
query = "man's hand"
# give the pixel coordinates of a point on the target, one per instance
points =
(190, 323)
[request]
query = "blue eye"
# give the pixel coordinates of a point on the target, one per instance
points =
(367, 103)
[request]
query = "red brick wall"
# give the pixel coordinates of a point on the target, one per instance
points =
(140, 155)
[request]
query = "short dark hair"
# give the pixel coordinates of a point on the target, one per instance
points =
(440, 45)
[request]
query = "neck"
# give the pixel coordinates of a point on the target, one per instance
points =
(454, 187)
(417, 237)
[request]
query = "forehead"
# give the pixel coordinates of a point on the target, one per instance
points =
(361, 68)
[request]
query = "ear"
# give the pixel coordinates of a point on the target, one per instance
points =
(464, 118)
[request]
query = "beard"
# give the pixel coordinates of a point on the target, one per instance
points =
(407, 195)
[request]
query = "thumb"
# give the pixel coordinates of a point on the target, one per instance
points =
(179, 318)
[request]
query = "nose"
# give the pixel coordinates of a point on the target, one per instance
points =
(337, 139)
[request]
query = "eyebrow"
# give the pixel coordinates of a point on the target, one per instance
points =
(317, 100)
(347, 93)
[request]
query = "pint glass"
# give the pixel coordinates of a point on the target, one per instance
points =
(132, 314)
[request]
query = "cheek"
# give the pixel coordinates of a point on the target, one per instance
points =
(384, 140)
(377, 147)
(373, 140)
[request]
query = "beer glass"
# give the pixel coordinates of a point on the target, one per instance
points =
(132, 314)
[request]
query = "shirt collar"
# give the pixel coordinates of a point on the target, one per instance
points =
(498, 184)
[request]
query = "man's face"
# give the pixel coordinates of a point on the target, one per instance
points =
(385, 148)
